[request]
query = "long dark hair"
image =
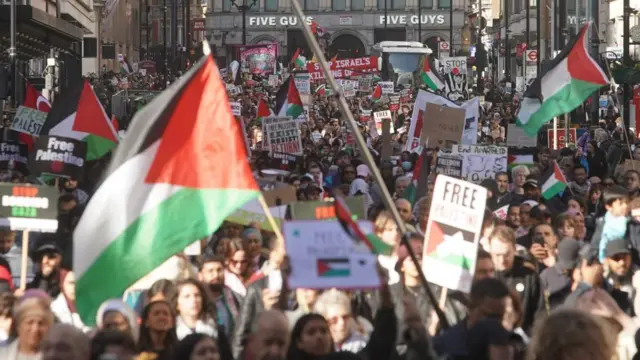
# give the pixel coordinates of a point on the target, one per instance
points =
(208, 310)
(145, 343)
(295, 353)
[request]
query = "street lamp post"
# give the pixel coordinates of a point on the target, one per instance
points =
(243, 8)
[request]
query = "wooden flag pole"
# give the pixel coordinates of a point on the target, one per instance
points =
(272, 221)
(368, 158)
(23, 260)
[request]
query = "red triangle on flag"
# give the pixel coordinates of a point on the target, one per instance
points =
(114, 122)
(200, 135)
(558, 174)
(90, 116)
(323, 268)
(581, 65)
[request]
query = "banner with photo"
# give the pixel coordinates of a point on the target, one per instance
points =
(261, 60)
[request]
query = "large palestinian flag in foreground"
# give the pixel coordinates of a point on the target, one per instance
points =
(570, 79)
(178, 174)
(79, 115)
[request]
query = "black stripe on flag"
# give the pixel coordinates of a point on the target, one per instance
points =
(63, 107)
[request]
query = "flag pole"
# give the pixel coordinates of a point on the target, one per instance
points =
(386, 197)
(272, 221)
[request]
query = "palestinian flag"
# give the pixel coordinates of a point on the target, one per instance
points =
(553, 182)
(33, 99)
(377, 93)
(79, 115)
(333, 267)
(288, 102)
(418, 187)
(450, 245)
(298, 60)
(166, 187)
(516, 160)
(430, 77)
(124, 64)
(351, 227)
(263, 110)
(321, 89)
(570, 79)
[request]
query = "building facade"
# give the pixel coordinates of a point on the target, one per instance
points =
(354, 26)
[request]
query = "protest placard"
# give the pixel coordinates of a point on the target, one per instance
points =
(29, 207)
(386, 87)
(28, 120)
(303, 82)
(324, 256)
(442, 125)
(284, 161)
(453, 233)
(265, 122)
(58, 156)
(517, 138)
(273, 80)
(325, 210)
(450, 165)
(236, 108)
(14, 156)
(284, 136)
(481, 162)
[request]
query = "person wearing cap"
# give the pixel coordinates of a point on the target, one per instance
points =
(531, 189)
(556, 280)
(313, 192)
(620, 272)
(48, 258)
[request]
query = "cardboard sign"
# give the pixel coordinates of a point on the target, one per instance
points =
(266, 121)
(394, 102)
(453, 233)
(58, 156)
(324, 256)
(303, 82)
(29, 207)
(236, 109)
(517, 138)
(442, 126)
(325, 210)
(14, 156)
(28, 121)
(280, 196)
(386, 87)
(284, 136)
(379, 116)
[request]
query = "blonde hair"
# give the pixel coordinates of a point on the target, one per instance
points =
(569, 334)
(329, 298)
(503, 233)
(519, 168)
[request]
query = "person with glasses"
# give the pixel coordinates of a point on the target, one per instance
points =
(237, 270)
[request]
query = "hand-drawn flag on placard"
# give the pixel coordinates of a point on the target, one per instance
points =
(451, 245)
(333, 267)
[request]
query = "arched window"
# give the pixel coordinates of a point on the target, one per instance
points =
(347, 46)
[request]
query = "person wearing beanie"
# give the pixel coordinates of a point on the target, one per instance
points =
(115, 314)
(32, 318)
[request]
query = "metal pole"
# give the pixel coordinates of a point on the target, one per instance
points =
(164, 40)
(386, 18)
(148, 23)
(626, 61)
(538, 36)
(507, 48)
(243, 8)
(451, 49)
(98, 6)
(174, 35)
(527, 23)
(187, 33)
(386, 197)
(595, 52)
(419, 20)
(13, 53)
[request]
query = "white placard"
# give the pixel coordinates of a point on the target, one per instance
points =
(517, 138)
(303, 82)
(481, 162)
(379, 115)
(456, 64)
(236, 108)
(453, 233)
(28, 120)
(386, 87)
(273, 80)
(324, 256)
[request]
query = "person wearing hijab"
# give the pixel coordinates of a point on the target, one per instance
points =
(114, 314)
(64, 306)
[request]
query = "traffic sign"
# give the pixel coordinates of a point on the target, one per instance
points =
(444, 45)
(532, 55)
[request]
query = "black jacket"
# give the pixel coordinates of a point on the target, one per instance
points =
(252, 305)
(527, 283)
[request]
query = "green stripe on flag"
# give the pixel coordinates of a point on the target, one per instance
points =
(379, 247)
(98, 147)
(554, 190)
(185, 217)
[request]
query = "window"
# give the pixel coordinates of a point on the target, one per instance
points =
(270, 5)
(426, 4)
(398, 4)
(517, 6)
(89, 47)
(381, 4)
(311, 5)
(357, 4)
(444, 4)
(339, 5)
(226, 5)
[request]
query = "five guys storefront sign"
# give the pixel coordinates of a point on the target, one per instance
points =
(29, 207)
(345, 67)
